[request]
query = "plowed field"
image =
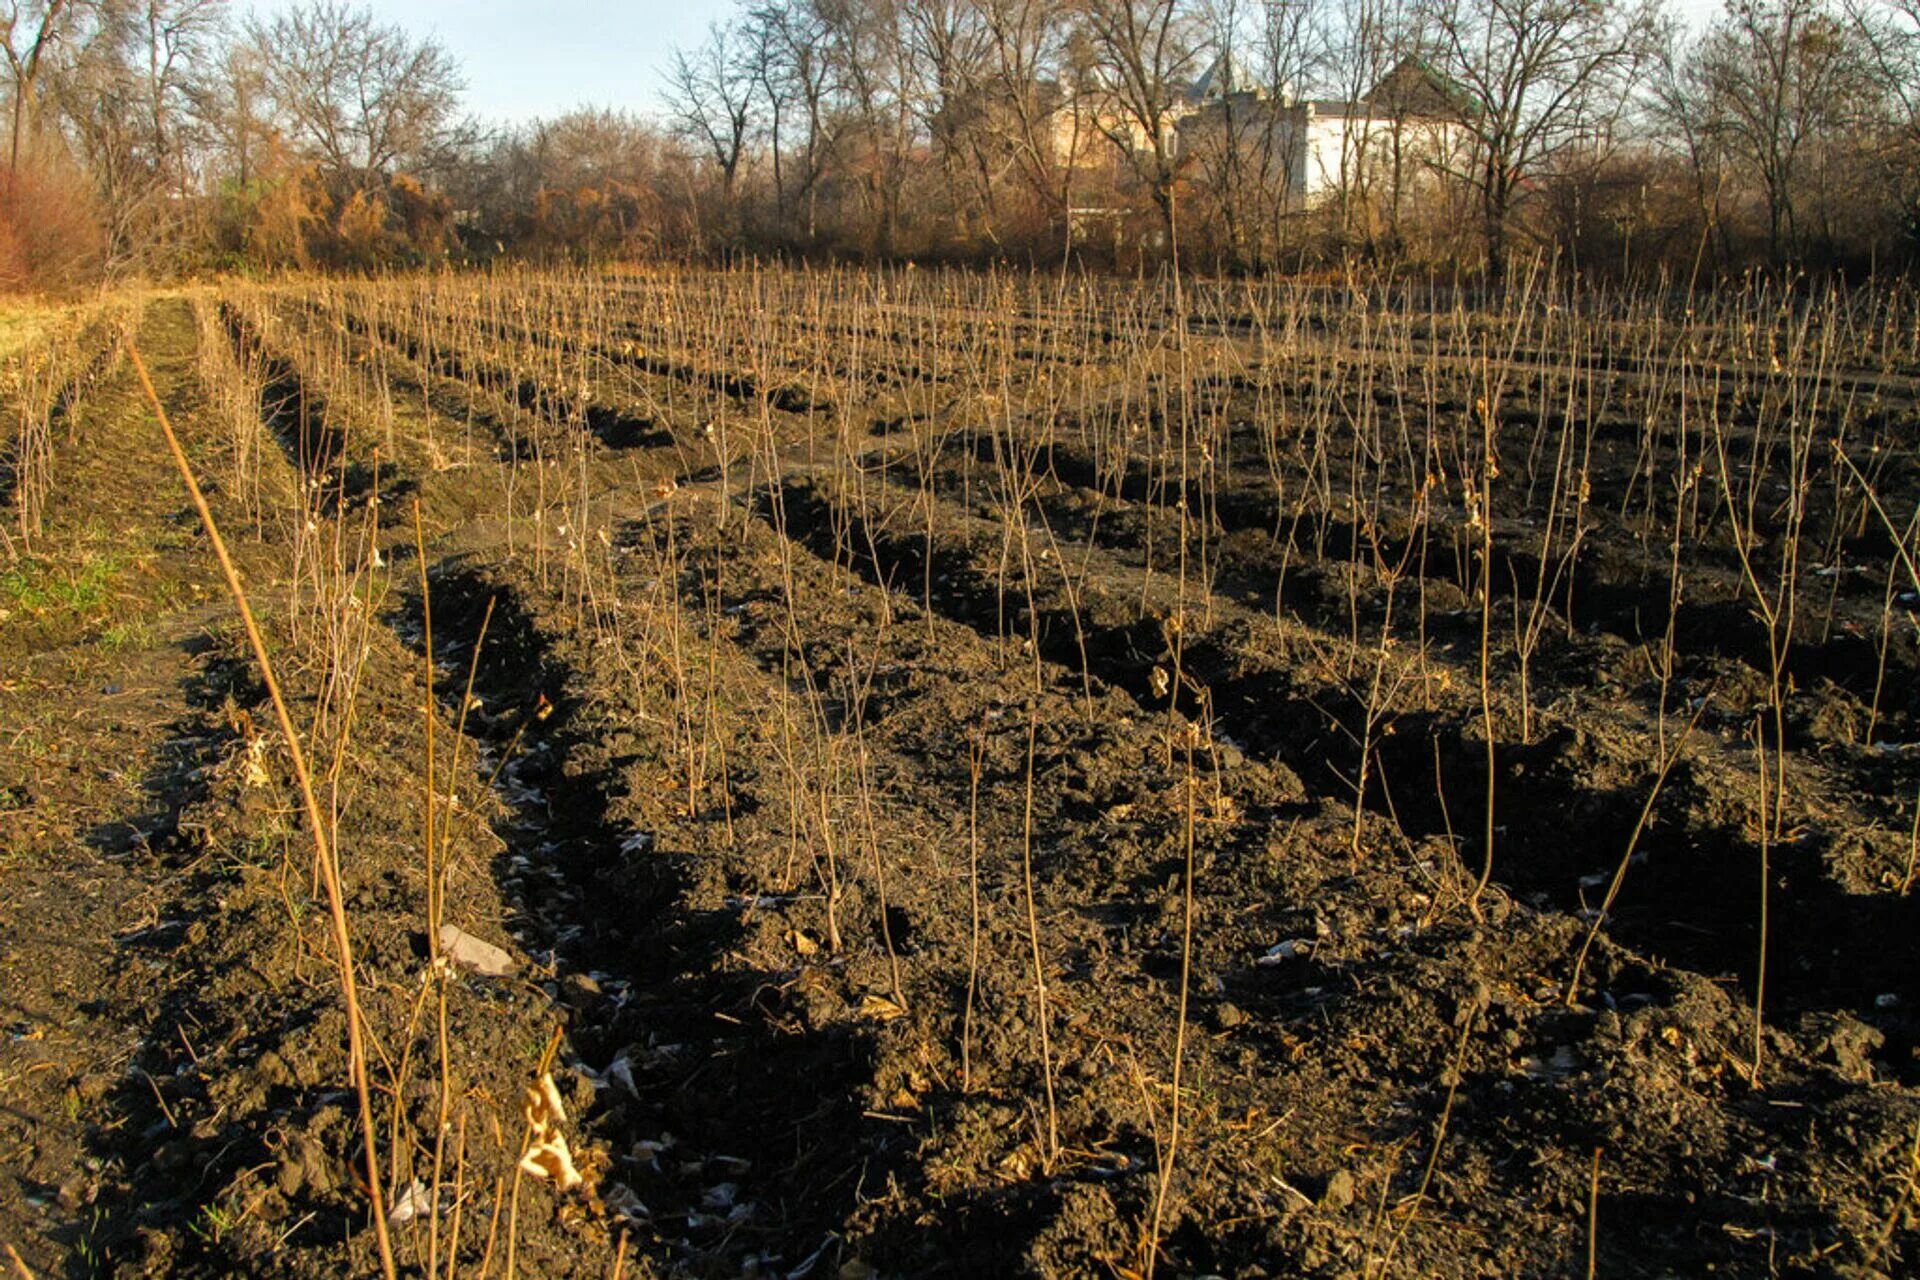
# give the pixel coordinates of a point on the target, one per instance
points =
(967, 775)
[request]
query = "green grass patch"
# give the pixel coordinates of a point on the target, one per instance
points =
(136, 633)
(39, 587)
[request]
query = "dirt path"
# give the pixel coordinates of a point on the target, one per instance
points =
(107, 733)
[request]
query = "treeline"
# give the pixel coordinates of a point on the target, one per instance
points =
(1268, 133)
(160, 137)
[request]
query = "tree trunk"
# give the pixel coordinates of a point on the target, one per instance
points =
(1494, 231)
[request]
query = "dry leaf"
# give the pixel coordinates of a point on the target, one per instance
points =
(880, 1009)
(256, 774)
(416, 1201)
(542, 1106)
(552, 1161)
(547, 1155)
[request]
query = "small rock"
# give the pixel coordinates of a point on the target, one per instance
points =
(1281, 952)
(1339, 1192)
(483, 958)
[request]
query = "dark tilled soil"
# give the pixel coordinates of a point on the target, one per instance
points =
(877, 843)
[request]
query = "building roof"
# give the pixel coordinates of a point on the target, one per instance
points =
(1412, 89)
(1221, 78)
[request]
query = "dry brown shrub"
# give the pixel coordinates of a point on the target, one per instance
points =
(361, 230)
(49, 237)
(290, 208)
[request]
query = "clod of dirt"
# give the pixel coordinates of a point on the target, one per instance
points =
(1845, 1043)
(1339, 1192)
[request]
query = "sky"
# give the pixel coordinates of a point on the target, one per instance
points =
(541, 58)
(527, 58)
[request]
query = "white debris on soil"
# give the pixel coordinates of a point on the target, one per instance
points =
(485, 959)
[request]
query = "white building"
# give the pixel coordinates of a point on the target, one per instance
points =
(1408, 132)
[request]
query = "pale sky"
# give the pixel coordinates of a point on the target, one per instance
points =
(538, 59)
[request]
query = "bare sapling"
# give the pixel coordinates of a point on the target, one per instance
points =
(1763, 825)
(864, 782)
(1554, 557)
(1168, 1152)
(1454, 1073)
(1050, 1147)
(317, 825)
(1487, 409)
(976, 759)
(1383, 682)
(1601, 913)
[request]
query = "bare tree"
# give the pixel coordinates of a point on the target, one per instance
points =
(951, 44)
(805, 76)
(1034, 100)
(1679, 114)
(1292, 50)
(175, 39)
(710, 93)
(362, 96)
(125, 94)
(1779, 76)
(1226, 150)
(1148, 52)
(762, 59)
(1244, 138)
(30, 31)
(1534, 71)
(1891, 32)
(877, 80)
(1369, 39)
